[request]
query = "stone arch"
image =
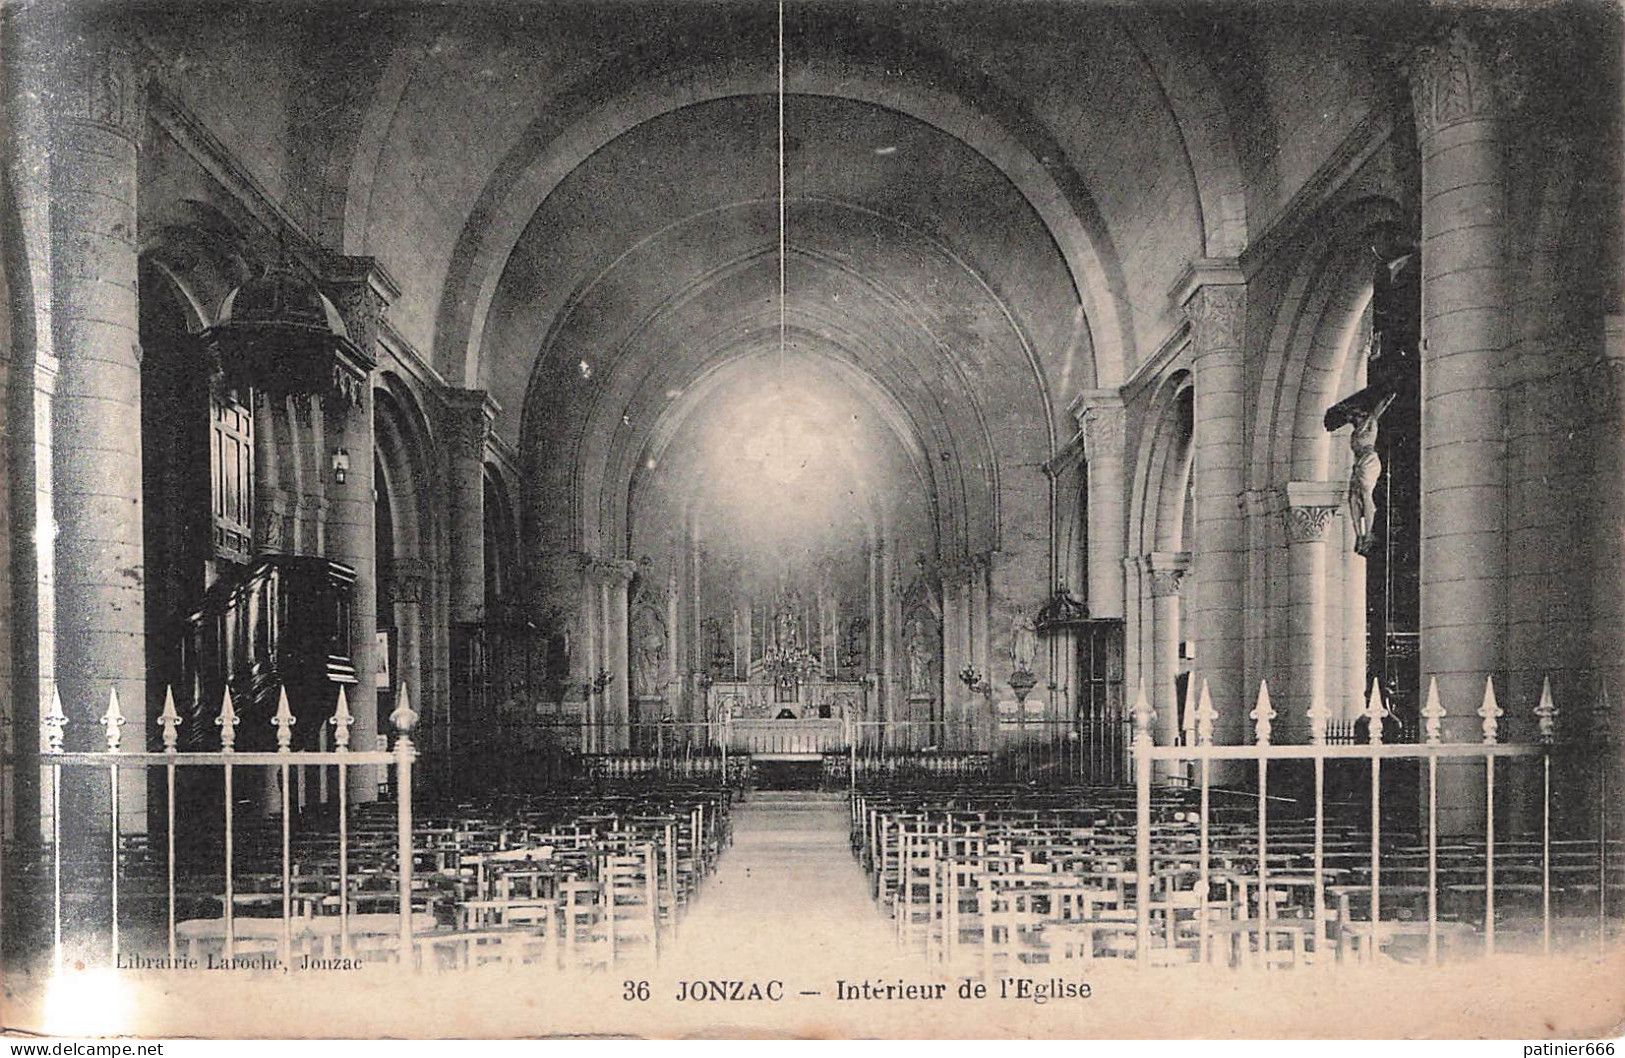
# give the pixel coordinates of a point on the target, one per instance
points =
(1159, 511)
(968, 492)
(600, 112)
(1312, 360)
(1192, 96)
(1308, 343)
(1156, 516)
(203, 252)
(411, 487)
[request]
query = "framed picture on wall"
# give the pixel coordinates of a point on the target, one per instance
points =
(384, 679)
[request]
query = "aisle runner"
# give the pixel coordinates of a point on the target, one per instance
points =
(788, 901)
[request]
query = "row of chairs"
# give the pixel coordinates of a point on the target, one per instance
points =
(1015, 876)
(574, 878)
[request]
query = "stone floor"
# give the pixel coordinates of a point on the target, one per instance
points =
(787, 901)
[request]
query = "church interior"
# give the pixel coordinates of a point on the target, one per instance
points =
(1052, 483)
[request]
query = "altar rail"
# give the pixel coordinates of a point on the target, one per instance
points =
(1489, 753)
(1044, 751)
(56, 762)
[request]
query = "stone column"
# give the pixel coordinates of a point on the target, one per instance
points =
(1099, 413)
(701, 663)
(676, 705)
(590, 651)
(1166, 571)
(872, 662)
(468, 418)
(1464, 334)
(94, 97)
(954, 643)
(1608, 517)
(1464, 338)
(888, 634)
(981, 635)
(408, 584)
(1215, 300)
(1134, 626)
(976, 732)
(1310, 507)
(361, 292)
(614, 578)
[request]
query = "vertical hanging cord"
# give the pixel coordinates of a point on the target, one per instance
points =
(783, 241)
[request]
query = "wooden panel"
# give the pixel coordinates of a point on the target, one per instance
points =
(231, 479)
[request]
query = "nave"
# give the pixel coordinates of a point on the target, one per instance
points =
(639, 866)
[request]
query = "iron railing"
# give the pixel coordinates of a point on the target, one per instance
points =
(1319, 751)
(55, 761)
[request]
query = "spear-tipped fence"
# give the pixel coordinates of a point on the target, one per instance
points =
(1197, 747)
(115, 759)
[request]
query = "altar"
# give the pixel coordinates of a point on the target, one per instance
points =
(786, 718)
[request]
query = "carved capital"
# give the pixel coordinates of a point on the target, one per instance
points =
(1306, 525)
(406, 583)
(92, 77)
(615, 572)
(1467, 72)
(1166, 572)
(468, 419)
(1165, 583)
(1218, 317)
(361, 290)
(1099, 414)
(1310, 507)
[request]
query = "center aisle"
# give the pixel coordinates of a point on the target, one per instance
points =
(788, 901)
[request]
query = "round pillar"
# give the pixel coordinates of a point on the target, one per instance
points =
(1311, 505)
(1464, 338)
(95, 98)
(1166, 573)
(469, 413)
(1215, 301)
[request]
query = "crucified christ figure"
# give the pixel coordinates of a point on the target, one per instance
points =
(1367, 469)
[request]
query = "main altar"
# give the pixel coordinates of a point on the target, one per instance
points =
(790, 701)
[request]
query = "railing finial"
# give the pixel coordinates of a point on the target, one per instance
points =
(1205, 715)
(112, 720)
(1546, 712)
(1433, 714)
(1490, 712)
(170, 720)
(283, 721)
(1262, 714)
(1143, 716)
(403, 717)
(341, 721)
(1374, 712)
(1319, 716)
(227, 721)
(53, 722)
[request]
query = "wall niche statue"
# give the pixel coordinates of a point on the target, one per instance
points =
(922, 633)
(648, 639)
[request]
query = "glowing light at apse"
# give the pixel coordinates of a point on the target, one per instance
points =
(785, 465)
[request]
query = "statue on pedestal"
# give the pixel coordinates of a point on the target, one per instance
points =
(1023, 643)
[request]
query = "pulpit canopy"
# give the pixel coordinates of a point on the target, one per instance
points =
(281, 335)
